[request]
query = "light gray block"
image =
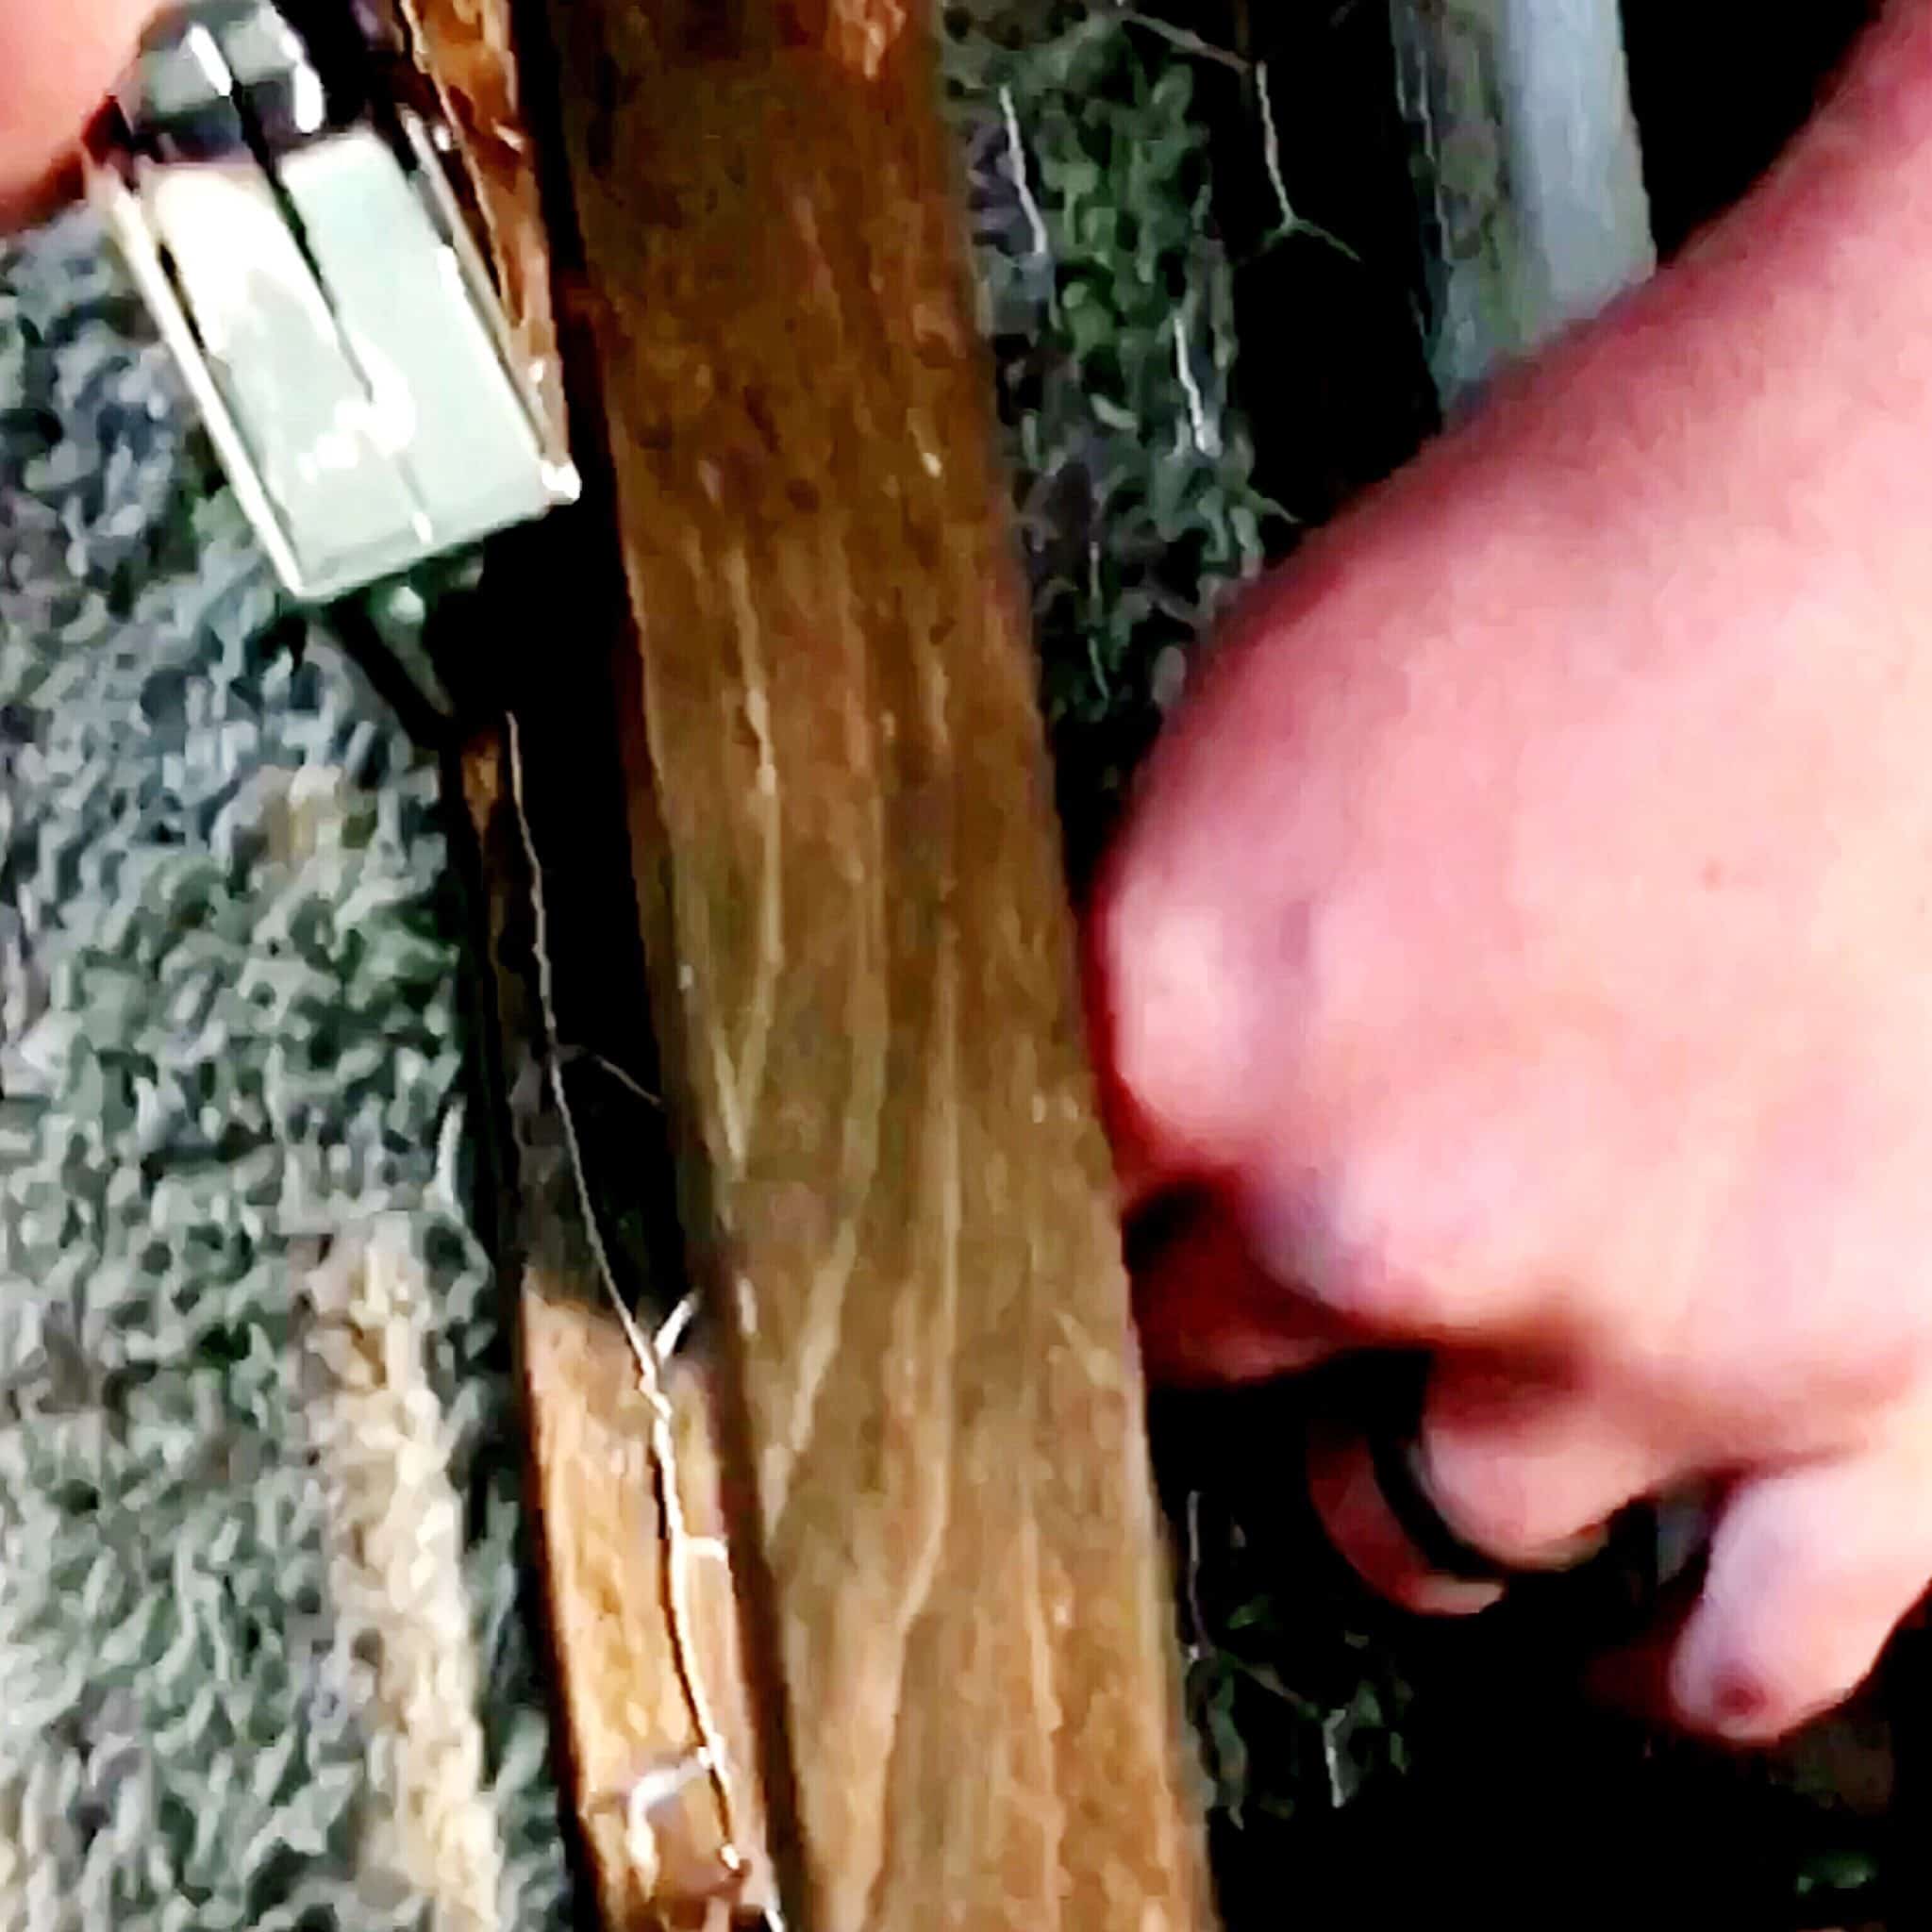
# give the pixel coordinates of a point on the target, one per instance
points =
(1532, 170)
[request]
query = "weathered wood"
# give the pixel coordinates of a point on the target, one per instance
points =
(626, 1716)
(862, 958)
(626, 1713)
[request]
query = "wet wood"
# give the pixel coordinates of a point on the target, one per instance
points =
(860, 956)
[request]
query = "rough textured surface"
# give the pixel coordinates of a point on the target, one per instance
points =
(228, 1045)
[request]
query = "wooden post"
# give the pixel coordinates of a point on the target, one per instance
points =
(624, 1715)
(598, 1487)
(859, 948)
(1535, 171)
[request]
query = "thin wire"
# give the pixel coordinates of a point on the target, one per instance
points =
(628, 1081)
(1271, 150)
(676, 1533)
(1200, 427)
(1291, 222)
(1180, 36)
(1023, 185)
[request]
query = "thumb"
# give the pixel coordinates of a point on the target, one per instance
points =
(57, 65)
(1210, 960)
(1191, 986)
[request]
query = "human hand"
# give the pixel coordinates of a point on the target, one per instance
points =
(57, 64)
(1524, 941)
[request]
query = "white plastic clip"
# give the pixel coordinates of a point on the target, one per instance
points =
(280, 196)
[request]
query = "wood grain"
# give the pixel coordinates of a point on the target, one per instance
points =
(623, 1712)
(860, 952)
(604, 1559)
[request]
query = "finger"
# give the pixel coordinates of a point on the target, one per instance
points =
(1528, 1472)
(1167, 999)
(1243, 1038)
(57, 64)
(1532, 1470)
(1158, 996)
(1459, 1204)
(1810, 1572)
(1205, 1310)
(1355, 1512)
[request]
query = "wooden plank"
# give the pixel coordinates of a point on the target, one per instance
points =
(861, 950)
(626, 1714)
(601, 1476)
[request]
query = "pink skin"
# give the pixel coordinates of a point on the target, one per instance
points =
(1528, 929)
(57, 59)
(1525, 932)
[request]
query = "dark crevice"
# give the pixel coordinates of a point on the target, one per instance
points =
(1718, 89)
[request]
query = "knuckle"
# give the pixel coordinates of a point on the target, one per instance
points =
(1387, 1291)
(1367, 1246)
(1876, 1361)
(1212, 1031)
(1897, 1367)
(1174, 1031)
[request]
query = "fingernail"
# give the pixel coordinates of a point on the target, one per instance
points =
(1717, 1692)
(1723, 1704)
